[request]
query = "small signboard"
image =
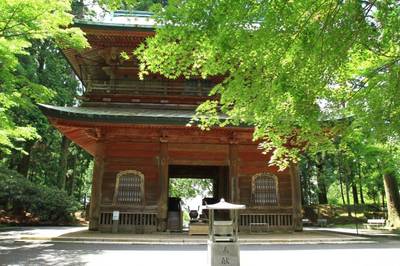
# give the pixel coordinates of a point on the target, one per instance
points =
(115, 215)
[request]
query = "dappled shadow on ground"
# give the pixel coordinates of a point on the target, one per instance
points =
(16, 232)
(72, 253)
(164, 237)
(58, 253)
(42, 253)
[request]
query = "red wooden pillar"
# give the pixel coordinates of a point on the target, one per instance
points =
(163, 170)
(233, 172)
(296, 197)
(97, 182)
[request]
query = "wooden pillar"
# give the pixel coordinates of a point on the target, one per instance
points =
(216, 186)
(223, 184)
(97, 183)
(233, 172)
(163, 200)
(296, 197)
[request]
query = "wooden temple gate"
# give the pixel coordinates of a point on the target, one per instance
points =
(136, 131)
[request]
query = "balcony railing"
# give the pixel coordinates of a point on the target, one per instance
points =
(150, 88)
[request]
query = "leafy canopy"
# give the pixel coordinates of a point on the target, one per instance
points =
(189, 187)
(21, 23)
(287, 65)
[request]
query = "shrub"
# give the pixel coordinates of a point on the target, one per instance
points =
(54, 205)
(49, 205)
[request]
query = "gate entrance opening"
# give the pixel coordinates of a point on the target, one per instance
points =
(189, 188)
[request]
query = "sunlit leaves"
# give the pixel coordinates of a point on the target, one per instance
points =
(287, 65)
(21, 23)
(186, 188)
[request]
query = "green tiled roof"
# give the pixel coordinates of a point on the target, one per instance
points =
(121, 20)
(120, 114)
(114, 25)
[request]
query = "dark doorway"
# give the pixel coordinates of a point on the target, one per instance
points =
(214, 180)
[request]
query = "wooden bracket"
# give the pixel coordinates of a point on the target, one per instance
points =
(233, 138)
(164, 137)
(95, 133)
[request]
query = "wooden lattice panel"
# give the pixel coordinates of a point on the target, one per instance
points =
(265, 190)
(129, 188)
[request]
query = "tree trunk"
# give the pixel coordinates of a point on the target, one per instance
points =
(361, 194)
(23, 164)
(341, 181)
(393, 200)
(322, 194)
(322, 197)
(303, 188)
(72, 177)
(348, 189)
(361, 191)
(63, 162)
(360, 183)
(305, 199)
(355, 194)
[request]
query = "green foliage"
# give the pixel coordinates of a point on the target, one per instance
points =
(356, 161)
(142, 5)
(46, 66)
(286, 65)
(189, 187)
(54, 205)
(38, 73)
(23, 22)
(49, 205)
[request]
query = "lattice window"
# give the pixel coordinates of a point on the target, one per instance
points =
(129, 188)
(265, 189)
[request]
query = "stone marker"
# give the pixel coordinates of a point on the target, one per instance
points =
(223, 248)
(223, 253)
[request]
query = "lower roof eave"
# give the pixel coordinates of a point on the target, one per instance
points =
(136, 116)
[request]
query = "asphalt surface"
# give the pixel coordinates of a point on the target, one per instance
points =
(375, 251)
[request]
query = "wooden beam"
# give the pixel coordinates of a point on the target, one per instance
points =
(296, 197)
(97, 182)
(197, 162)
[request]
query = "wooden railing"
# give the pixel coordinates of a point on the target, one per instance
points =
(136, 222)
(151, 88)
(268, 221)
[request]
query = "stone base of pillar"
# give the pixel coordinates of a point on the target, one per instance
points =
(297, 225)
(162, 225)
(93, 225)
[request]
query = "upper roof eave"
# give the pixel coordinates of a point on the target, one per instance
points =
(113, 26)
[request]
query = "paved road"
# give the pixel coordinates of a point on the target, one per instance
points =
(378, 251)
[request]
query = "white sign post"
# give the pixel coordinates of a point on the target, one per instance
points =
(115, 216)
(115, 221)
